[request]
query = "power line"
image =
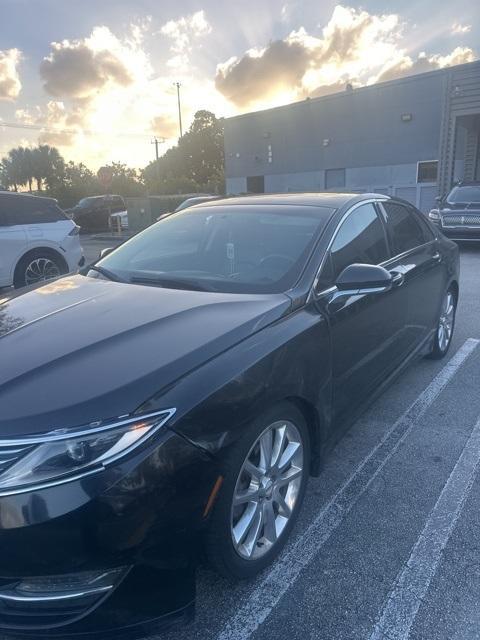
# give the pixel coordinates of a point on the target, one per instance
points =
(37, 127)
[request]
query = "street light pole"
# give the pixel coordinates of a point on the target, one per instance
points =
(178, 85)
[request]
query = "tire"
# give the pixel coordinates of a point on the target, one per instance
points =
(38, 266)
(445, 326)
(276, 503)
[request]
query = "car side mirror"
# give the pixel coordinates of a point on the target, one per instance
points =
(104, 252)
(366, 278)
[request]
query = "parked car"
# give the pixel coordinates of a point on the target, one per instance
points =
(37, 240)
(216, 356)
(190, 202)
(121, 216)
(458, 213)
(93, 213)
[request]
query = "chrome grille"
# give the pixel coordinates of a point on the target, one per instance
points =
(10, 454)
(457, 220)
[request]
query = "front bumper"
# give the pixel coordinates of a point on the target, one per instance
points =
(144, 515)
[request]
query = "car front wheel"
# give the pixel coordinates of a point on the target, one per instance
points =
(262, 493)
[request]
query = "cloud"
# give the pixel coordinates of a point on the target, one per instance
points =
(406, 66)
(351, 42)
(164, 126)
(183, 32)
(10, 84)
(59, 126)
(82, 68)
(351, 48)
(281, 66)
(458, 28)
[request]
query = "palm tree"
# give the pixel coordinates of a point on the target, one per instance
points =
(48, 165)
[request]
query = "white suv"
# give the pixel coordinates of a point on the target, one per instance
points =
(37, 240)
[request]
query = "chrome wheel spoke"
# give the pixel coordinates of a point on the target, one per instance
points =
(288, 455)
(254, 532)
(280, 440)
(269, 529)
(251, 495)
(283, 507)
(288, 476)
(243, 526)
(266, 450)
(252, 470)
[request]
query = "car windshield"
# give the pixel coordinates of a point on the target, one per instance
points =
(464, 194)
(243, 249)
(86, 202)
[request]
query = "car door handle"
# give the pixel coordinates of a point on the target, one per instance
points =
(398, 279)
(436, 257)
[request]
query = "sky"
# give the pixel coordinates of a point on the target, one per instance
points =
(97, 78)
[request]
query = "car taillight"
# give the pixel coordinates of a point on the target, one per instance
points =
(75, 231)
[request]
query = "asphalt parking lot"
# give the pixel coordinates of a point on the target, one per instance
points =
(92, 244)
(387, 544)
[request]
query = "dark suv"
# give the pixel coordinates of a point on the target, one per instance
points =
(458, 213)
(93, 213)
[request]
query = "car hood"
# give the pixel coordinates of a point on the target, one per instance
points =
(83, 349)
(461, 207)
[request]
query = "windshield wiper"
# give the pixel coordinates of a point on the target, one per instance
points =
(105, 272)
(171, 283)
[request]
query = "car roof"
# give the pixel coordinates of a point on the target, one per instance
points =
(327, 199)
(15, 194)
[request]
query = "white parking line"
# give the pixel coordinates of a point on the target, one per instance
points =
(286, 570)
(413, 581)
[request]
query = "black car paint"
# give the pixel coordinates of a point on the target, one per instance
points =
(229, 359)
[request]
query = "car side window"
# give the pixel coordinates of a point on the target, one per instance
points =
(404, 229)
(360, 239)
(30, 210)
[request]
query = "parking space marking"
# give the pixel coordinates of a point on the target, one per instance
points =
(288, 567)
(413, 581)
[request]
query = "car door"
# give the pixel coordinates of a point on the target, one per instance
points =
(12, 239)
(416, 255)
(366, 329)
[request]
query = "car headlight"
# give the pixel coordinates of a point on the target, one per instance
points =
(64, 455)
(434, 214)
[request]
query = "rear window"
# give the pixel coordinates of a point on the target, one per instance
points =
(18, 209)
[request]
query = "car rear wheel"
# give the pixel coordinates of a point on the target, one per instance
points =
(262, 493)
(445, 327)
(38, 266)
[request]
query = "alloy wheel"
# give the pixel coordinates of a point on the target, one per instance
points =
(267, 490)
(41, 269)
(445, 326)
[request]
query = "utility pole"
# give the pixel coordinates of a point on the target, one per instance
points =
(178, 85)
(155, 141)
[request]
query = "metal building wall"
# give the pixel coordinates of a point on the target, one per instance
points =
(377, 134)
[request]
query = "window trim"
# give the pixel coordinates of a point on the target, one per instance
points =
(395, 256)
(313, 290)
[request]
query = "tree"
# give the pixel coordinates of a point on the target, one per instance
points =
(194, 164)
(17, 168)
(48, 166)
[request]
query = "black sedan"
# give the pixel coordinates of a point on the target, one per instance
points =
(458, 213)
(171, 402)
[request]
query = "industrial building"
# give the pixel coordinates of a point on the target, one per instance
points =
(411, 137)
